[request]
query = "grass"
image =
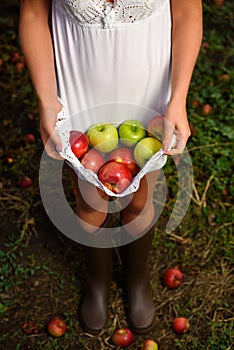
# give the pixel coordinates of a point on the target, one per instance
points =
(41, 271)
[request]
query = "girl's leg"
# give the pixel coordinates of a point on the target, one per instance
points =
(91, 204)
(139, 213)
(139, 216)
(92, 208)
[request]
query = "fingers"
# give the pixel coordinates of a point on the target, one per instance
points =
(168, 132)
(178, 148)
(53, 146)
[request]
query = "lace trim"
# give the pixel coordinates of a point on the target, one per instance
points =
(103, 14)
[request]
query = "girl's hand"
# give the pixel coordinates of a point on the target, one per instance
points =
(176, 122)
(48, 118)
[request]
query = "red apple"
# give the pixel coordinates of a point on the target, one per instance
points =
(206, 109)
(195, 103)
(30, 138)
(16, 57)
(115, 176)
(19, 66)
(149, 344)
(79, 143)
(181, 325)
(224, 77)
(155, 127)
(56, 327)
(93, 160)
(25, 182)
(124, 156)
(172, 278)
(205, 45)
(219, 2)
(123, 337)
(10, 160)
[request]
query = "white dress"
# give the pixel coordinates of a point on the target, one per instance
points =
(108, 52)
(112, 52)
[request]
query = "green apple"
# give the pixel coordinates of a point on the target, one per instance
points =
(131, 131)
(103, 137)
(145, 149)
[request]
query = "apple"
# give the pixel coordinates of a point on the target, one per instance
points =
(30, 328)
(25, 182)
(195, 103)
(219, 2)
(145, 149)
(30, 138)
(131, 131)
(206, 109)
(115, 176)
(79, 142)
(123, 337)
(205, 45)
(181, 325)
(149, 344)
(56, 327)
(93, 160)
(19, 66)
(224, 77)
(124, 156)
(173, 278)
(103, 137)
(10, 160)
(155, 127)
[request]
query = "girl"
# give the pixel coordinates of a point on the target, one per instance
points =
(99, 51)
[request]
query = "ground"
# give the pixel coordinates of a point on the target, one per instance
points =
(42, 271)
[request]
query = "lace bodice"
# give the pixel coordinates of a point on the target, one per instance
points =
(103, 14)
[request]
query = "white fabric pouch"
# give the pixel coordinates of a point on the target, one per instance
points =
(114, 113)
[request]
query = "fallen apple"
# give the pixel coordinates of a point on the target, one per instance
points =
(79, 142)
(145, 149)
(92, 160)
(195, 103)
(206, 109)
(149, 344)
(181, 325)
(124, 156)
(173, 278)
(155, 127)
(10, 160)
(123, 337)
(131, 131)
(30, 138)
(219, 2)
(56, 327)
(25, 182)
(115, 176)
(103, 137)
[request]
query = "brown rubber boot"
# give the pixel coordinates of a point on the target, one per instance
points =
(94, 305)
(141, 309)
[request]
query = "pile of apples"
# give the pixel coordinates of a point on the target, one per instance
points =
(116, 154)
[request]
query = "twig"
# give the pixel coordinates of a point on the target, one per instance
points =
(208, 146)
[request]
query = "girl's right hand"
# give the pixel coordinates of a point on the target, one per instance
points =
(48, 119)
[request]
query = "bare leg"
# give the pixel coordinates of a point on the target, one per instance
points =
(139, 213)
(91, 204)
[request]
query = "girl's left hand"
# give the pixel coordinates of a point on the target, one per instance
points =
(176, 121)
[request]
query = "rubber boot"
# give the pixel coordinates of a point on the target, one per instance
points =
(94, 305)
(141, 309)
